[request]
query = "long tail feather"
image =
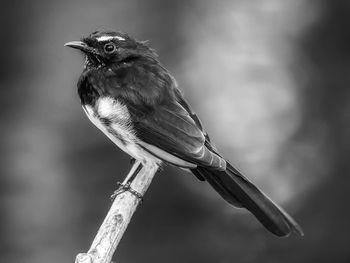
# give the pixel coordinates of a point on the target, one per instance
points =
(239, 191)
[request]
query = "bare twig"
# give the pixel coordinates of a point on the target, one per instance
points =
(118, 217)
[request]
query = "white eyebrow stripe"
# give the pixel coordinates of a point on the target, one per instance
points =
(119, 38)
(106, 38)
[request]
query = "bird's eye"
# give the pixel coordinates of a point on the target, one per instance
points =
(109, 48)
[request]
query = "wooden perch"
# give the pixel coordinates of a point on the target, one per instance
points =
(118, 217)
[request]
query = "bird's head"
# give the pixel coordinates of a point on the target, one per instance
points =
(103, 48)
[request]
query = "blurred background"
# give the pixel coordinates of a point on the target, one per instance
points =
(270, 80)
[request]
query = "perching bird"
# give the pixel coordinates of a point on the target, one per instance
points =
(133, 99)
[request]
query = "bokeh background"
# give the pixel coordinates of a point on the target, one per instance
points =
(270, 80)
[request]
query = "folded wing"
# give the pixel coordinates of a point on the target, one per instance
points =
(170, 128)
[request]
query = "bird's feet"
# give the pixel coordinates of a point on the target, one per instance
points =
(126, 187)
(132, 161)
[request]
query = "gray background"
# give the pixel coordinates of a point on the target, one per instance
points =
(270, 80)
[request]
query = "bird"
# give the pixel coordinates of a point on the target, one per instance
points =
(134, 100)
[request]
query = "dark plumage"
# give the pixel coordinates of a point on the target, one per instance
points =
(135, 101)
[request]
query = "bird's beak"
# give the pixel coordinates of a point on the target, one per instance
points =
(78, 45)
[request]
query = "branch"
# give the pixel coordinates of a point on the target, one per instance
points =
(118, 217)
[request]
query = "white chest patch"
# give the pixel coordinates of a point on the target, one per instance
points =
(110, 108)
(113, 119)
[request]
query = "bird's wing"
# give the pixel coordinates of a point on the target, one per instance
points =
(171, 129)
(208, 143)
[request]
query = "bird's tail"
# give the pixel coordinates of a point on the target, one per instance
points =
(239, 191)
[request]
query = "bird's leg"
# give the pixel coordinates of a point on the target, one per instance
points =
(126, 186)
